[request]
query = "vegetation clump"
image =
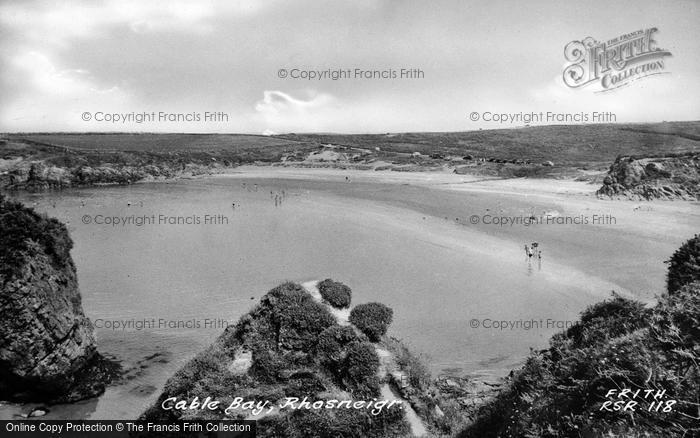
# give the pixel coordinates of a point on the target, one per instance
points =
(684, 265)
(373, 319)
(335, 293)
(333, 342)
(361, 365)
(296, 349)
(26, 233)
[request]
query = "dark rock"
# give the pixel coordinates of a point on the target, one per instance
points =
(668, 177)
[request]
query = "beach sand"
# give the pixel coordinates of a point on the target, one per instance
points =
(626, 248)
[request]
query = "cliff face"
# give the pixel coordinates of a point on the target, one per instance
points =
(47, 345)
(676, 177)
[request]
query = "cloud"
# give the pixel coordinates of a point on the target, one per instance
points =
(38, 73)
(221, 55)
(281, 112)
(53, 96)
(649, 99)
(68, 20)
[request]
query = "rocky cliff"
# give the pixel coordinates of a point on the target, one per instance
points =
(670, 177)
(47, 345)
(39, 175)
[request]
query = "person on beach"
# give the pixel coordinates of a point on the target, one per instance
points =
(539, 255)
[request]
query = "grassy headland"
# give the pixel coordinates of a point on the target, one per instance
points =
(622, 370)
(289, 346)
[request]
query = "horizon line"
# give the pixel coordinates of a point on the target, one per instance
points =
(257, 134)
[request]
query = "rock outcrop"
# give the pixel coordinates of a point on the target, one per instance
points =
(38, 175)
(47, 345)
(672, 177)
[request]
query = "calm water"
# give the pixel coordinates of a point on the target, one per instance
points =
(437, 275)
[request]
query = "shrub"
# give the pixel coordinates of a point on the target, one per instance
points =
(419, 375)
(297, 317)
(19, 227)
(616, 344)
(675, 329)
(337, 294)
(684, 265)
(333, 342)
(609, 318)
(267, 365)
(361, 367)
(373, 319)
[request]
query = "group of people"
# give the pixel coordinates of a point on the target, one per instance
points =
(278, 197)
(533, 250)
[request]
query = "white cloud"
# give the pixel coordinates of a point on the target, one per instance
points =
(281, 112)
(40, 75)
(53, 96)
(84, 19)
(181, 55)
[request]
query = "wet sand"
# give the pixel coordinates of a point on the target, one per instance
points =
(627, 250)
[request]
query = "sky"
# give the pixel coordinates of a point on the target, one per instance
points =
(85, 66)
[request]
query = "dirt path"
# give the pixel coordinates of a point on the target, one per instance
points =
(388, 369)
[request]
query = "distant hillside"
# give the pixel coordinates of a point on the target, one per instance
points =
(564, 145)
(145, 142)
(36, 161)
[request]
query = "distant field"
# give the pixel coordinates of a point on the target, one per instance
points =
(591, 147)
(157, 142)
(573, 145)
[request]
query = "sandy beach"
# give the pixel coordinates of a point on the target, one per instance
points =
(636, 234)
